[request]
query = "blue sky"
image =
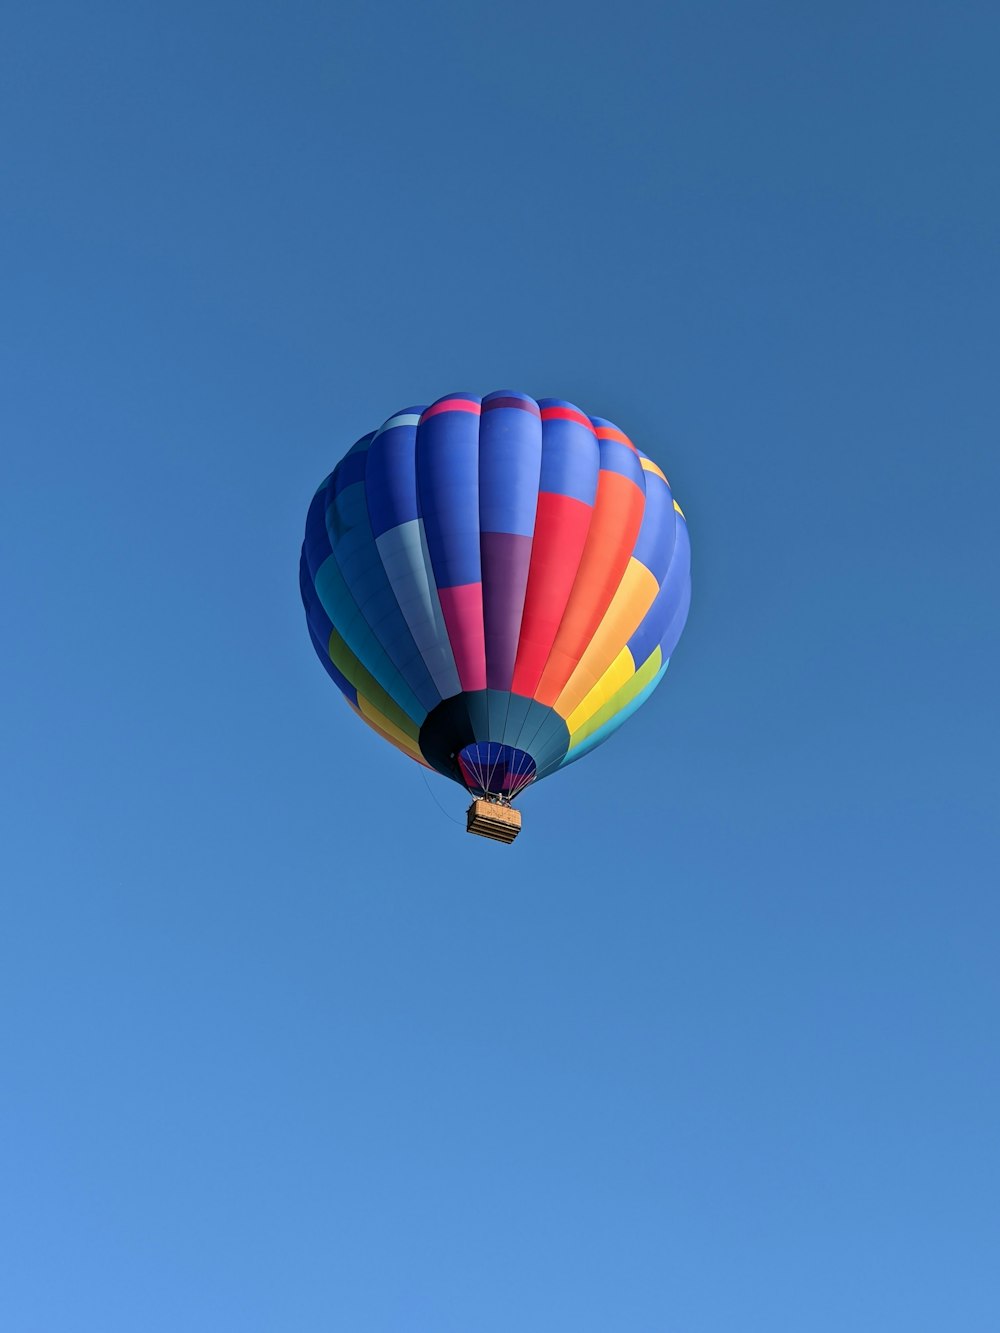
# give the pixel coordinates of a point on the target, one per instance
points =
(713, 1046)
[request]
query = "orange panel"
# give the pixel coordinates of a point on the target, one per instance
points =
(636, 594)
(618, 510)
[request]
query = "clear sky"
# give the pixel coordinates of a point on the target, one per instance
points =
(713, 1046)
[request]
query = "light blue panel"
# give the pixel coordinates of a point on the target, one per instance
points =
(356, 552)
(406, 561)
(353, 628)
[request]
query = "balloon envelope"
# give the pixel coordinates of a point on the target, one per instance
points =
(495, 585)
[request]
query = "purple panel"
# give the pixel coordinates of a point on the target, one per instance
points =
(506, 557)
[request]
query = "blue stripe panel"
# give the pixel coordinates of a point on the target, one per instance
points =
(391, 477)
(659, 615)
(570, 459)
(351, 468)
(654, 546)
(618, 457)
(316, 544)
(318, 620)
(447, 456)
(678, 620)
(361, 565)
(510, 460)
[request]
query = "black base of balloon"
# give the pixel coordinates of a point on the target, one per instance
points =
(492, 715)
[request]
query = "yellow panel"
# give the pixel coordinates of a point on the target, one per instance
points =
(679, 510)
(633, 686)
(622, 669)
(380, 723)
(623, 617)
(348, 665)
(649, 466)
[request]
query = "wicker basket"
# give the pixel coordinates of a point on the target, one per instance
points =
(490, 819)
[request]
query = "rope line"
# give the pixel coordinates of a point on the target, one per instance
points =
(437, 802)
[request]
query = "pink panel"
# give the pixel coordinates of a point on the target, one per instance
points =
(462, 607)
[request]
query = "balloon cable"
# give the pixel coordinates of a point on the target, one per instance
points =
(437, 802)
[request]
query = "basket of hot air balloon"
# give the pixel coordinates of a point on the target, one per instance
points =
(495, 585)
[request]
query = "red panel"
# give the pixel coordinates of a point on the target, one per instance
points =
(613, 433)
(566, 414)
(450, 405)
(561, 526)
(611, 540)
(462, 608)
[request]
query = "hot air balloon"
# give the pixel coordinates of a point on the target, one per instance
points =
(495, 585)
